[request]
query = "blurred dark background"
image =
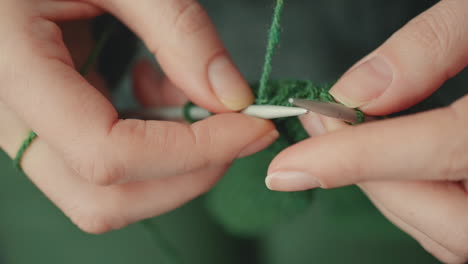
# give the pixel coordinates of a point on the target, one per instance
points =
(321, 39)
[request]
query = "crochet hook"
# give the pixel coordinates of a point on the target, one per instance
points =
(198, 113)
(329, 109)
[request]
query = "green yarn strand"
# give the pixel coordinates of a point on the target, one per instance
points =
(186, 112)
(83, 71)
(90, 61)
(273, 41)
(24, 146)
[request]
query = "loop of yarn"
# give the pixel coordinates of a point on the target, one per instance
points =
(186, 112)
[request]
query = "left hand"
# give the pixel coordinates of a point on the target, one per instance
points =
(101, 171)
(414, 168)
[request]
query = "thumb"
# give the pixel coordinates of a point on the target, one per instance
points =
(426, 146)
(410, 65)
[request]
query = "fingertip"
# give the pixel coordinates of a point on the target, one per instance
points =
(291, 181)
(259, 144)
(313, 124)
(228, 84)
(317, 125)
(332, 124)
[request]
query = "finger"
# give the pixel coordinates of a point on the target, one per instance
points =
(83, 126)
(410, 65)
(181, 35)
(98, 209)
(152, 89)
(151, 149)
(407, 148)
(77, 36)
(58, 10)
(434, 213)
(317, 125)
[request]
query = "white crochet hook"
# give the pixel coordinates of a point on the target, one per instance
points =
(198, 113)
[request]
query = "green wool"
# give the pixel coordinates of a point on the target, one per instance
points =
(280, 92)
(273, 41)
(240, 201)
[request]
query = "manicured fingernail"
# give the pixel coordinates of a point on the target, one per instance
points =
(364, 83)
(260, 144)
(291, 181)
(313, 124)
(228, 84)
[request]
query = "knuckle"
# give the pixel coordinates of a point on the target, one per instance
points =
(455, 166)
(98, 168)
(435, 30)
(96, 220)
(198, 159)
(191, 17)
(45, 38)
(46, 30)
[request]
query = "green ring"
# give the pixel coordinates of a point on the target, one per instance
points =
(24, 146)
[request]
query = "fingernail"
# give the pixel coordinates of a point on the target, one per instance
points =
(291, 181)
(364, 83)
(313, 124)
(332, 124)
(260, 144)
(228, 84)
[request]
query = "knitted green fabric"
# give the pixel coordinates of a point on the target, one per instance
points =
(280, 91)
(240, 201)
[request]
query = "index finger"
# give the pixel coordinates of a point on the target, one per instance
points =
(185, 42)
(44, 89)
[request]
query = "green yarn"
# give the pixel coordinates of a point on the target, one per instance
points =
(186, 112)
(240, 201)
(90, 61)
(273, 41)
(290, 128)
(242, 204)
(360, 117)
(83, 71)
(24, 146)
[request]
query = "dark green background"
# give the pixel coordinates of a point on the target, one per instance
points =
(321, 39)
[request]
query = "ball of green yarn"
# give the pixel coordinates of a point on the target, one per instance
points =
(240, 202)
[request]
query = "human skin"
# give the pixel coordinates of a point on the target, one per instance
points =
(414, 168)
(103, 172)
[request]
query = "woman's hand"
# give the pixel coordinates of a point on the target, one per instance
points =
(414, 168)
(105, 173)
